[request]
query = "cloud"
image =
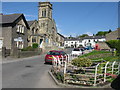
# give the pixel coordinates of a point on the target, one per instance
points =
(59, 30)
(29, 15)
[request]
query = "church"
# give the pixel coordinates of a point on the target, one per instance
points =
(46, 34)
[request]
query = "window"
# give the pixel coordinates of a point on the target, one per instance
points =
(20, 28)
(32, 30)
(53, 53)
(34, 39)
(44, 13)
(88, 40)
(42, 24)
(36, 31)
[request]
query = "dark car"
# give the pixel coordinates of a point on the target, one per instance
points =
(55, 53)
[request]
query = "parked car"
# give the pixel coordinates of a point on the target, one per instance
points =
(55, 53)
(77, 52)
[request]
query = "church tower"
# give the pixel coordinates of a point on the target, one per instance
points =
(47, 24)
(45, 10)
(44, 16)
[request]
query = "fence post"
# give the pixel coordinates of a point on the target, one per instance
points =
(68, 56)
(105, 71)
(95, 78)
(62, 60)
(113, 67)
(64, 72)
(59, 63)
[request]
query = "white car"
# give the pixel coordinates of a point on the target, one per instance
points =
(77, 52)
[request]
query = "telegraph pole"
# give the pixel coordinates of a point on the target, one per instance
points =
(119, 29)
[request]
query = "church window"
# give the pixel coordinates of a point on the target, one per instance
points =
(44, 13)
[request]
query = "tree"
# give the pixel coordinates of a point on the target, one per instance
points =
(103, 33)
(83, 35)
(109, 31)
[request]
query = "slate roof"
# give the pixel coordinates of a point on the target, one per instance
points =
(60, 35)
(93, 37)
(73, 39)
(12, 18)
(30, 22)
(9, 18)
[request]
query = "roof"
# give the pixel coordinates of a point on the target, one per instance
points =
(60, 35)
(93, 37)
(73, 39)
(11, 18)
(31, 22)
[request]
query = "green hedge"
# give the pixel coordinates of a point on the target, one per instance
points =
(35, 45)
(29, 48)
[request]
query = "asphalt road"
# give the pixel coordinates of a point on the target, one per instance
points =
(28, 73)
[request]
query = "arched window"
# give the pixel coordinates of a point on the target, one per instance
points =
(44, 13)
(33, 30)
(36, 31)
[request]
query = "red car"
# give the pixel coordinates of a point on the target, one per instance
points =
(55, 53)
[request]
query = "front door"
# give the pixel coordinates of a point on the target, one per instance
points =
(41, 40)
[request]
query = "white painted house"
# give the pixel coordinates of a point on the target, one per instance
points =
(86, 41)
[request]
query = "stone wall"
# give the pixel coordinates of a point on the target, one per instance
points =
(29, 53)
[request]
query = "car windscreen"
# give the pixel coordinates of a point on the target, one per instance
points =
(53, 53)
(76, 49)
(63, 53)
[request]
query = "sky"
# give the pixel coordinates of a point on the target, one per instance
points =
(72, 18)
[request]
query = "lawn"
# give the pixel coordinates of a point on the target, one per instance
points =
(105, 55)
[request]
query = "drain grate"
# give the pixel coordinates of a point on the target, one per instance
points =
(28, 66)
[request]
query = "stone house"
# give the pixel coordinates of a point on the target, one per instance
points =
(34, 34)
(60, 39)
(14, 31)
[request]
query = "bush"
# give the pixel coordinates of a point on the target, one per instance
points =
(35, 45)
(82, 62)
(114, 44)
(29, 48)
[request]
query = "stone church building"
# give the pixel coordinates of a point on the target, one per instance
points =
(44, 31)
(47, 25)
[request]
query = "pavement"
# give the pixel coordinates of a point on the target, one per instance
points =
(30, 72)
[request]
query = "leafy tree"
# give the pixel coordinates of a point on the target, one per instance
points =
(109, 31)
(83, 35)
(103, 33)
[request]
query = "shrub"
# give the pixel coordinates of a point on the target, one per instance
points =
(35, 45)
(82, 62)
(29, 48)
(114, 44)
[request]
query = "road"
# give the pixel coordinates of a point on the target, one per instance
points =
(28, 73)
